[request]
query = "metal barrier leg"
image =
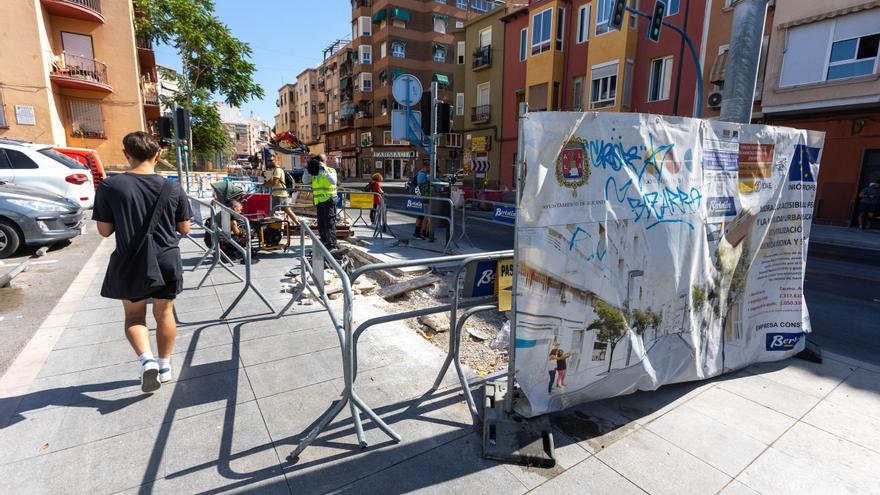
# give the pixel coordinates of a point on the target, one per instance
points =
(197, 243)
(208, 252)
(328, 416)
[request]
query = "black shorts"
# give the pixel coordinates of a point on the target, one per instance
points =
(169, 291)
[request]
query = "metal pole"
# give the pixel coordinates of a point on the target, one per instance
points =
(177, 149)
(741, 72)
(434, 91)
(520, 161)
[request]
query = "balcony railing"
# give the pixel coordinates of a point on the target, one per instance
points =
(151, 93)
(144, 43)
(77, 68)
(481, 114)
(483, 57)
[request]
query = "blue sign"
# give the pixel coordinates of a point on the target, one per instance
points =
(783, 341)
(482, 279)
(506, 214)
(415, 204)
(722, 206)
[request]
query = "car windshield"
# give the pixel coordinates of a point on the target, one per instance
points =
(63, 159)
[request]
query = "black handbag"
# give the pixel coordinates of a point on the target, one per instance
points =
(135, 273)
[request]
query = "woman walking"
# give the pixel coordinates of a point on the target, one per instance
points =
(146, 212)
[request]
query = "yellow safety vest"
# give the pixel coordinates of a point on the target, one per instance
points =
(322, 188)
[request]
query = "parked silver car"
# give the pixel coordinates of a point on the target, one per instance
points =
(31, 217)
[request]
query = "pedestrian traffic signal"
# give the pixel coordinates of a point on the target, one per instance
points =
(656, 20)
(165, 126)
(618, 11)
(444, 117)
(181, 123)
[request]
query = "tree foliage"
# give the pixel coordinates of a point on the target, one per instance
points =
(212, 57)
(208, 132)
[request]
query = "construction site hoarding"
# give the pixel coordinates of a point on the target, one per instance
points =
(655, 250)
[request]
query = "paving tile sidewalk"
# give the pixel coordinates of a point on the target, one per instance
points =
(248, 388)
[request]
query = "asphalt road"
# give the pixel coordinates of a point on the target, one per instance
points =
(842, 288)
(32, 294)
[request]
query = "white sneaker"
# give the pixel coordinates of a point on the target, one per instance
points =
(165, 375)
(150, 376)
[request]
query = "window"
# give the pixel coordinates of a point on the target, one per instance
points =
(3, 123)
(632, 18)
(523, 45)
(86, 119)
(453, 140)
(365, 26)
(483, 94)
(383, 78)
(849, 44)
(603, 15)
(383, 49)
(661, 79)
(365, 54)
(383, 106)
(672, 7)
(578, 91)
(481, 6)
(459, 104)
(459, 24)
(398, 49)
(853, 57)
(583, 25)
(439, 24)
(439, 53)
(486, 37)
(462, 4)
(19, 160)
(603, 85)
(459, 52)
(366, 139)
(366, 81)
(386, 140)
(541, 31)
(560, 28)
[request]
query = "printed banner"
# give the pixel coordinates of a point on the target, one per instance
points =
(655, 250)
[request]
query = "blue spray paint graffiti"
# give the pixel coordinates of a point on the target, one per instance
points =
(597, 254)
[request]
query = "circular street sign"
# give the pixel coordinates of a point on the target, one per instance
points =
(399, 90)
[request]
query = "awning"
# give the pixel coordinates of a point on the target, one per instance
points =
(383, 102)
(443, 79)
(440, 46)
(398, 42)
(402, 14)
(718, 68)
(441, 16)
(380, 15)
(343, 83)
(395, 73)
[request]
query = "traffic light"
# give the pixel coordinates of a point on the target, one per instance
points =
(618, 12)
(656, 20)
(166, 130)
(181, 123)
(427, 112)
(444, 117)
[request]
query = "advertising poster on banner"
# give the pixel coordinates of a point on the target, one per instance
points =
(655, 250)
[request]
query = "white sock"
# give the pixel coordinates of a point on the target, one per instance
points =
(145, 357)
(164, 363)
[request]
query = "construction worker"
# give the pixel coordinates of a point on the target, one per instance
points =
(325, 197)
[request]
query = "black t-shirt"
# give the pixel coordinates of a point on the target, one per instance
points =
(127, 201)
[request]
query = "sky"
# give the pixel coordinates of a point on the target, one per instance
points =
(286, 36)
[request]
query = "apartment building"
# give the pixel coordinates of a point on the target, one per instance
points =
(286, 119)
(822, 74)
(478, 96)
(72, 72)
(307, 98)
(340, 139)
(390, 38)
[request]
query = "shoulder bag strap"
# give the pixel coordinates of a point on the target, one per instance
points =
(164, 195)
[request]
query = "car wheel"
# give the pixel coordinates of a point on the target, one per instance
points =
(9, 239)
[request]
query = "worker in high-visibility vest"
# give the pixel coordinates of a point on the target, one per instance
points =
(325, 197)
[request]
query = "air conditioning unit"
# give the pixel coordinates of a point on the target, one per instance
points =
(714, 99)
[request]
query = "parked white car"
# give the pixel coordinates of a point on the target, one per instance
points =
(40, 167)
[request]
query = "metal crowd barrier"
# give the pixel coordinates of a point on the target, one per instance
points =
(506, 208)
(348, 338)
(343, 206)
(218, 257)
(426, 202)
(224, 234)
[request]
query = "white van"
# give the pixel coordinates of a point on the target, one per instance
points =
(40, 167)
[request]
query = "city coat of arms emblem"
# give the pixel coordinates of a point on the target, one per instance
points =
(572, 164)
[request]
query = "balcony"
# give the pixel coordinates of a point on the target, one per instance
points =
(481, 114)
(152, 109)
(363, 118)
(345, 123)
(75, 72)
(146, 55)
(86, 10)
(482, 58)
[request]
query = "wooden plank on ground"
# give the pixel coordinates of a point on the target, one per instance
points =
(401, 288)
